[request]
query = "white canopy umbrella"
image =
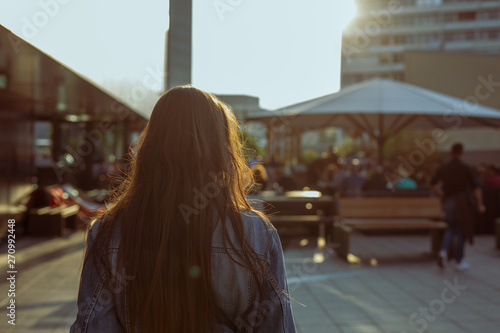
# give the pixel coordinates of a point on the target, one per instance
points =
(382, 108)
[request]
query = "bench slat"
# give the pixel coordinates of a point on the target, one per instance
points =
(386, 226)
(70, 211)
(388, 213)
(307, 219)
(391, 207)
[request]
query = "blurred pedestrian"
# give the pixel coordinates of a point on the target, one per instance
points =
(339, 177)
(492, 179)
(327, 184)
(353, 183)
(458, 184)
(376, 182)
(180, 249)
(405, 183)
(285, 180)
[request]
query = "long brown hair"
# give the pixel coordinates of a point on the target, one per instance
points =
(187, 173)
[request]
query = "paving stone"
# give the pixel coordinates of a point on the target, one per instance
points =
(319, 329)
(340, 297)
(360, 328)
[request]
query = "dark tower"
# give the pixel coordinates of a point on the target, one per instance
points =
(178, 43)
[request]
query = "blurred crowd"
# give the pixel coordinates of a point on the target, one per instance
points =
(356, 176)
(365, 176)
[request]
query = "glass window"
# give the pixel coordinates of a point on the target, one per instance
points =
(398, 57)
(384, 58)
(400, 39)
(494, 15)
(43, 144)
(493, 34)
(399, 76)
(450, 17)
(467, 16)
(428, 19)
(433, 37)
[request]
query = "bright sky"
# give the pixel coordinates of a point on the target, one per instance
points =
(282, 51)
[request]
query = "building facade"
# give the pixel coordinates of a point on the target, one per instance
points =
(472, 77)
(55, 125)
(375, 42)
(442, 45)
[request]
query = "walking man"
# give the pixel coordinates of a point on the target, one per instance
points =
(457, 186)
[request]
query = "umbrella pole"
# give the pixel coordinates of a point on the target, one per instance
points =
(269, 144)
(380, 148)
(298, 148)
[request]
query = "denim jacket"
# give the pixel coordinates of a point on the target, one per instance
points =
(234, 285)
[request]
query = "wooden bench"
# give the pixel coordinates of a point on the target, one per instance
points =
(51, 221)
(296, 210)
(70, 215)
(317, 221)
(387, 214)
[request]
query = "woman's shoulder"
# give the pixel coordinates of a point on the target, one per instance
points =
(93, 228)
(257, 230)
(96, 227)
(256, 224)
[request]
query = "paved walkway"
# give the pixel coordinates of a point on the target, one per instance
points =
(389, 292)
(396, 288)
